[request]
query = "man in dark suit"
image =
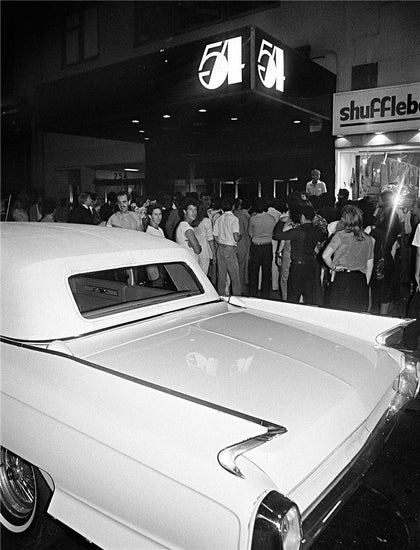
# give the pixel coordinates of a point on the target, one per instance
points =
(83, 213)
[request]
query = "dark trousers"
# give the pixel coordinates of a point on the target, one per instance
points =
(261, 256)
(301, 282)
(349, 291)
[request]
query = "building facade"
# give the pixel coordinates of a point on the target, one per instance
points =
(87, 85)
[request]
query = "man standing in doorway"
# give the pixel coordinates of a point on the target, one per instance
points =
(315, 186)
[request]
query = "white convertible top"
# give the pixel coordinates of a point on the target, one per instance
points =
(38, 258)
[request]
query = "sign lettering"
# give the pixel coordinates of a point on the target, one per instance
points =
(381, 109)
(271, 66)
(220, 61)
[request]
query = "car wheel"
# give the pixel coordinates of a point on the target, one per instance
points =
(24, 497)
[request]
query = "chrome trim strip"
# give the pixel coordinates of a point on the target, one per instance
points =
(227, 457)
(151, 385)
(112, 327)
(383, 336)
(340, 490)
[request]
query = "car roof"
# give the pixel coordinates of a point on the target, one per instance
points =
(37, 260)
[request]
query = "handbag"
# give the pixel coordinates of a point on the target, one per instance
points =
(379, 269)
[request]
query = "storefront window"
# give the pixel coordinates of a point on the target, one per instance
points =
(371, 172)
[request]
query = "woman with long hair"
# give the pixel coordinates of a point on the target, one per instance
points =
(349, 255)
(203, 230)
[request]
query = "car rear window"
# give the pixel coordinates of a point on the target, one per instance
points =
(102, 293)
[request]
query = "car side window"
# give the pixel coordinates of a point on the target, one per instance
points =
(102, 293)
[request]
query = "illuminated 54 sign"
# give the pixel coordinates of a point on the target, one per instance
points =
(230, 61)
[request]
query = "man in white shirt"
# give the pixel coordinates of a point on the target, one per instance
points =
(315, 186)
(154, 212)
(226, 234)
(125, 218)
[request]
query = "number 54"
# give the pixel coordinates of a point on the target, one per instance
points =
(271, 69)
(227, 63)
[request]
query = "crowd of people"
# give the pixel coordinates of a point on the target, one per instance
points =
(351, 255)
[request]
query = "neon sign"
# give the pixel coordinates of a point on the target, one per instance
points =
(271, 66)
(220, 61)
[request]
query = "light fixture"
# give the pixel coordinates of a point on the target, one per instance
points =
(131, 169)
(378, 133)
(297, 121)
(146, 139)
(233, 118)
(135, 121)
(166, 116)
(141, 131)
(385, 157)
(202, 110)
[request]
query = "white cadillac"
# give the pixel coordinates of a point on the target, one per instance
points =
(144, 411)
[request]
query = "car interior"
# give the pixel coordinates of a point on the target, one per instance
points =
(102, 292)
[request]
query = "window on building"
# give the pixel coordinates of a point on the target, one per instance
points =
(81, 35)
(364, 76)
(154, 20)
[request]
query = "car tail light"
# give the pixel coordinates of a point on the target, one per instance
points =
(277, 524)
(407, 383)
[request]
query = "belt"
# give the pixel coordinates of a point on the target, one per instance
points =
(342, 270)
(261, 244)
